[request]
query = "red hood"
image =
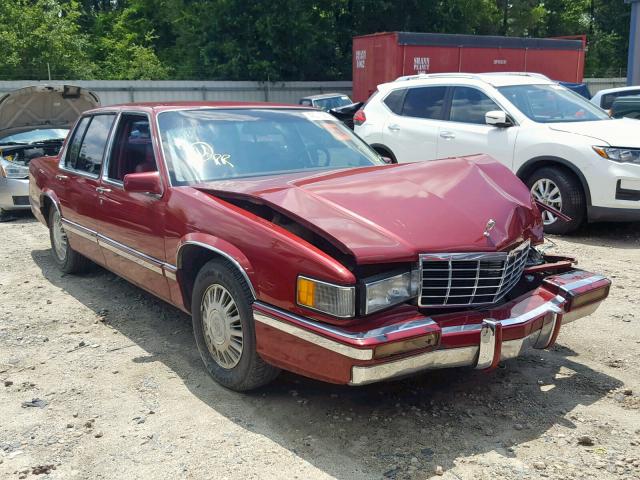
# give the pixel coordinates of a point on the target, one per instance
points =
(394, 212)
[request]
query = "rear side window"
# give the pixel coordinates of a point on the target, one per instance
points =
(88, 157)
(424, 102)
(394, 101)
(607, 100)
(468, 105)
(76, 141)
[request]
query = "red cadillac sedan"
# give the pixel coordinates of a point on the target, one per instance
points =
(294, 246)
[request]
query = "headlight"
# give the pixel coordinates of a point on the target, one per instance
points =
(12, 170)
(327, 298)
(617, 154)
(390, 291)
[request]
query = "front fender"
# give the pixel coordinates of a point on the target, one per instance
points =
(222, 248)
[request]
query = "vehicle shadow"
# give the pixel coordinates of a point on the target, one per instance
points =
(19, 217)
(378, 431)
(617, 235)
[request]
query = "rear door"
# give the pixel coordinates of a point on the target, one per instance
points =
(78, 179)
(412, 130)
(466, 133)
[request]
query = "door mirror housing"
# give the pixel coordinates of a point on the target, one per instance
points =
(498, 118)
(143, 182)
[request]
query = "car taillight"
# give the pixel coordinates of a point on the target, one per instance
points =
(359, 118)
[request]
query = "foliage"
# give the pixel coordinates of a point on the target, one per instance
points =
(270, 40)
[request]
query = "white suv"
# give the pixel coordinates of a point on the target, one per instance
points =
(569, 152)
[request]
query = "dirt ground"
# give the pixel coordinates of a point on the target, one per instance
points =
(118, 391)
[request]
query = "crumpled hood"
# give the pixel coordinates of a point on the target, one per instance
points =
(392, 213)
(619, 132)
(44, 106)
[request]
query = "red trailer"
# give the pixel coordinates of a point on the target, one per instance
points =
(382, 57)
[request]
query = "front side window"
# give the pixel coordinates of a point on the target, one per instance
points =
(547, 103)
(424, 102)
(87, 157)
(468, 105)
(132, 150)
(214, 144)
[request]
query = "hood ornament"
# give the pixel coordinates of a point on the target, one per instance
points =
(490, 226)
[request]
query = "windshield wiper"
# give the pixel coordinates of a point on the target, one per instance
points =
(13, 143)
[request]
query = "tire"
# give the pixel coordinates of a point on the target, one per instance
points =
(226, 337)
(560, 189)
(65, 257)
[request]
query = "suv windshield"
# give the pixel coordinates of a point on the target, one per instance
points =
(34, 136)
(213, 144)
(552, 103)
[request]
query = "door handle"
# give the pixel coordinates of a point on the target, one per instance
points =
(393, 127)
(448, 135)
(61, 177)
(103, 190)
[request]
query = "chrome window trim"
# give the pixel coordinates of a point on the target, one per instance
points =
(219, 252)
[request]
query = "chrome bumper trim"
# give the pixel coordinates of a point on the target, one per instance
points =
(319, 340)
(580, 312)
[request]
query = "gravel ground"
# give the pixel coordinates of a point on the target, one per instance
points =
(117, 390)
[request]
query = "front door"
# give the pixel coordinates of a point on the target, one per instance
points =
(77, 182)
(466, 132)
(131, 225)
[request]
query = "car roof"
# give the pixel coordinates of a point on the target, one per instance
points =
(498, 79)
(606, 91)
(324, 95)
(156, 107)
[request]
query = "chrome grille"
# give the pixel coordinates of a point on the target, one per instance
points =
(463, 279)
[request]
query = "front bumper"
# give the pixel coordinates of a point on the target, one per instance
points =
(474, 338)
(14, 193)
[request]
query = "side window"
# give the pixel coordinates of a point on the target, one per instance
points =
(306, 102)
(424, 102)
(468, 105)
(607, 100)
(74, 145)
(394, 100)
(91, 152)
(132, 150)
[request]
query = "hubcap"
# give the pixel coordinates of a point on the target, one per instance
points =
(59, 237)
(221, 326)
(547, 192)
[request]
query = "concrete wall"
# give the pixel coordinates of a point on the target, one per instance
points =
(125, 91)
(597, 84)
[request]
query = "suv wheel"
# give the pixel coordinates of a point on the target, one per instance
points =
(561, 190)
(224, 329)
(67, 259)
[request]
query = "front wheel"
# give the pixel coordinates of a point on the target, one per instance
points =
(561, 190)
(224, 329)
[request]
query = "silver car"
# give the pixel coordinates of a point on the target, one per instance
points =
(34, 121)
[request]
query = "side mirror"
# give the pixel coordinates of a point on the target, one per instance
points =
(144, 182)
(498, 118)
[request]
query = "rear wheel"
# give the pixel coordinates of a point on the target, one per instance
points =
(561, 190)
(67, 259)
(224, 329)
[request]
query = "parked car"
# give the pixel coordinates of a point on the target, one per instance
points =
(34, 121)
(605, 98)
(628, 107)
(326, 101)
(569, 152)
(294, 246)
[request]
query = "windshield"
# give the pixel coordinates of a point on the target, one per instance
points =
(552, 103)
(214, 144)
(332, 102)
(34, 136)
